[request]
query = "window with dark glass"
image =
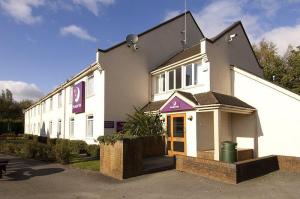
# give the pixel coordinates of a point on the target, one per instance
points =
(189, 75)
(171, 80)
(178, 78)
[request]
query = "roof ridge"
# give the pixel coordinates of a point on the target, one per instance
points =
(233, 25)
(153, 28)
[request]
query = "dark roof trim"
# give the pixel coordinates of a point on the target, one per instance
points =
(228, 29)
(153, 28)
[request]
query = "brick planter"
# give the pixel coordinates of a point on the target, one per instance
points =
(124, 159)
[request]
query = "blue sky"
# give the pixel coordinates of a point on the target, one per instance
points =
(44, 42)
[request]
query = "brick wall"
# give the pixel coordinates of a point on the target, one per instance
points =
(288, 163)
(124, 159)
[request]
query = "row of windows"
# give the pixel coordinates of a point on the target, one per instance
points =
(89, 92)
(174, 78)
(89, 127)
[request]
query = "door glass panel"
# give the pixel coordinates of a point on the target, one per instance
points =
(178, 146)
(178, 127)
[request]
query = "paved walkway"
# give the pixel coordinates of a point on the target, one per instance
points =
(34, 179)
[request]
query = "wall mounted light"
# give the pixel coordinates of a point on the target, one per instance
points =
(190, 118)
(162, 119)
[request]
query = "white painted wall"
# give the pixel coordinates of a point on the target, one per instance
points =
(278, 111)
(94, 105)
(191, 136)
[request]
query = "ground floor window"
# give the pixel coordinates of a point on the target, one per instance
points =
(72, 127)
(59, 128)
(50, 128)
(89, 127)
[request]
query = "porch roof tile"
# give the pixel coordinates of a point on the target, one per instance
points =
(208, 98)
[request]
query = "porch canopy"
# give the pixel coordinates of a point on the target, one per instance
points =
(214, 102)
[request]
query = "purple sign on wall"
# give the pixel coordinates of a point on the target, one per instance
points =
(78, 103)
(176, 104)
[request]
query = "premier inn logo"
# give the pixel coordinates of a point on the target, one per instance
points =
(174, 105)
(78, 105)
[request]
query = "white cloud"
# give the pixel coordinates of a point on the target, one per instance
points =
(171, 14)
(93, 5)
(77, 32)
(218, 15)
(22, 90)
(21, 10)
(282, 37)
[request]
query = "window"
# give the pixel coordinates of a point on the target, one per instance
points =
(178, 77)
(71, 130)
(59, 100)
(90, 86)
(51, 104)
(44, 107)
(189, 75)
(160, 84)
(196, 73)
(171, 79)
(50, 128)
(70, 94)
(58, 128)
(89, 128)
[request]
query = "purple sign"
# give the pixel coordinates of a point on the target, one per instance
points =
(176, 104)
(120, 126)
(78, 104)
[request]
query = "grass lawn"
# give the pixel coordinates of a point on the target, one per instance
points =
(84, 162)
(93, 165)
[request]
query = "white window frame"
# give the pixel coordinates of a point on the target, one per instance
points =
(174, 80)
(90, 92)
(51, 103)
(159, 89)
(59, 100)
(50, 128)
(71, 127)
(185, 67)
(71, 94)
(89, 118)
(59, 127)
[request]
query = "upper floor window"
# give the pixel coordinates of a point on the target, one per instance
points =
(60, 100)
(160, 84)
(90, 86)
(189, 75)
(178, 78)
(44, 107)
(70, 94)
(51, 103)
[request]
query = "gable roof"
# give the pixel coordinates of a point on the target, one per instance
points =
(189, 52)
(186, 53)
(202, 99)
(154, 28)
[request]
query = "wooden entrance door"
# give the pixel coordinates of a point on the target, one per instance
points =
(176, 134)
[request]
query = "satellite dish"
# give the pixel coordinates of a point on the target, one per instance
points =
(132, 41)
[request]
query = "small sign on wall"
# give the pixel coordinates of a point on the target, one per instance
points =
(120, 126)
(78, 102)
(109, 124)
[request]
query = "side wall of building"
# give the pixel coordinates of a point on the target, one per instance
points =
(222, 53)
(277, 118)
(45, 121)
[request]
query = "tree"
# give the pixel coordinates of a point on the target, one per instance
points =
(283, 70)
(273, 65)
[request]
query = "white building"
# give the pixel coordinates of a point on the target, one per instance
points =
(208, 91)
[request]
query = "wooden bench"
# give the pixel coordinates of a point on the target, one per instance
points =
(3, 164)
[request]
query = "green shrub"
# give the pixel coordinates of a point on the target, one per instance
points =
(93, 151)
(63, 151)
(111, 139)
(78, 146)
(30, 149)
(45, 152)
(143, 124)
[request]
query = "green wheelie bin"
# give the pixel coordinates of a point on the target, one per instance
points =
(228, 152)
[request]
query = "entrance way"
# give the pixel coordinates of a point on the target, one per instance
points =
(176, 134)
